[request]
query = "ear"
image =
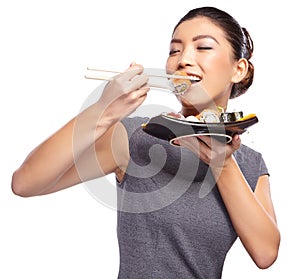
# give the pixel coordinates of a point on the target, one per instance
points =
(241, 69)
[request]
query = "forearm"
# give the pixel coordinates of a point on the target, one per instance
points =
(255, 227)
(46, 164)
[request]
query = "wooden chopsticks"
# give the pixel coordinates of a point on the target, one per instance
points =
(105, 77)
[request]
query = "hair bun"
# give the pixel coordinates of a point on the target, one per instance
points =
(249, 47)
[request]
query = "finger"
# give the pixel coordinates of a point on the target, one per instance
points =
(136, 83)
(236, 142)
(133, 70)
(130, 73)
(133, 65)
(142, 94)
(197, 146)
(191, 143)
(139, 93)
(135, 99)
(205, 139)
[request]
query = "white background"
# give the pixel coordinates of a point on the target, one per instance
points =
(45, 48)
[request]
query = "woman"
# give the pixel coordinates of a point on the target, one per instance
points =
(166, 229)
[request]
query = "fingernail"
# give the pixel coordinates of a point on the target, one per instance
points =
(176, 142)
(132, 64)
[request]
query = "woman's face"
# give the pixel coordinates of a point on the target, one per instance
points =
(199, 47)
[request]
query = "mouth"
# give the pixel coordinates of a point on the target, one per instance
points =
(181, 86)
(194, 77)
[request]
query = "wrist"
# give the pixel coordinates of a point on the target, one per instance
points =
(91, 121)
(101, 119)
(227, 166)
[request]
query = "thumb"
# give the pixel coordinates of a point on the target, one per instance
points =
(236, 142)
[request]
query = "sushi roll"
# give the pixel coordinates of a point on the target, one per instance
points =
(209, 116)
(180, 86)
(231, 116)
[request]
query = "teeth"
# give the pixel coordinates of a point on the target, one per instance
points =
(195, 78)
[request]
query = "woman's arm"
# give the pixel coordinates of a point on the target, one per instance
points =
(109, 154)
(251, 214)
(54, 164)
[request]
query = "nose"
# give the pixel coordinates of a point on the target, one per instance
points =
(186, 59)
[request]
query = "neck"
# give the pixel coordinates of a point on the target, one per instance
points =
(187, 111)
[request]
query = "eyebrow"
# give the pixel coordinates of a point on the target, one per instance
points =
(196, 38)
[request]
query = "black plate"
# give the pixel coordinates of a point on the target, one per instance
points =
(169, 128)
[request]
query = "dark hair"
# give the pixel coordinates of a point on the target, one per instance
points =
(238, 37)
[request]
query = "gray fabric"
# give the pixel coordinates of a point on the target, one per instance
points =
(165, 229)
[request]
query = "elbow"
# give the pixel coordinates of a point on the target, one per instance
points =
(264, 259)
(18, 185)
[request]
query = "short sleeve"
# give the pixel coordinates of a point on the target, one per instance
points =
(251, 164)
(263, 170)
(133, 123)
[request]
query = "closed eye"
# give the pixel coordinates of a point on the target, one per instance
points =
(173, 51)
(204, 48)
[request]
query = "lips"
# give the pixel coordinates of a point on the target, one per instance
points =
(196, 78)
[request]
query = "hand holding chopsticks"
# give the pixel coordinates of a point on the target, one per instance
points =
(157, 80)
(101, 77)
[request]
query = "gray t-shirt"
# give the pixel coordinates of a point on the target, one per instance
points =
(172, 222)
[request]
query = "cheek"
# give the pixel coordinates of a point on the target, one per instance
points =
(219, 63)
(217, 86)
(218, 78)
(222, 69)
(171, 65)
